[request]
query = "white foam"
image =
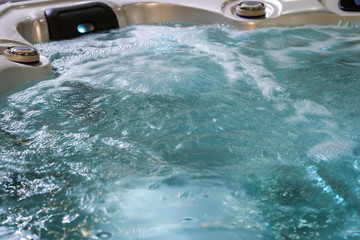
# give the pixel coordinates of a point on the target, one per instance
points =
(306, 107)
(331, 150)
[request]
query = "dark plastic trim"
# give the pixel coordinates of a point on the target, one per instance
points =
(349, 5)
(63, 22)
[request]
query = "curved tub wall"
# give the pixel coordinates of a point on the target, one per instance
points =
(24, 23)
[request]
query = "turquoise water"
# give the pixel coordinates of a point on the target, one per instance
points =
(187, 132)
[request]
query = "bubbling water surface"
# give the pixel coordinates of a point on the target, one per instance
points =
(186, 132)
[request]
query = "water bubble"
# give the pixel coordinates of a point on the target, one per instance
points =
(356, 165)
(69, 218)
(183, 195)
(309, 210)
(103, 235)
(204, 195)
(187, 219)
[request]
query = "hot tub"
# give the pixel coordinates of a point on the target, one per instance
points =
(25, 23)
(178, 120)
